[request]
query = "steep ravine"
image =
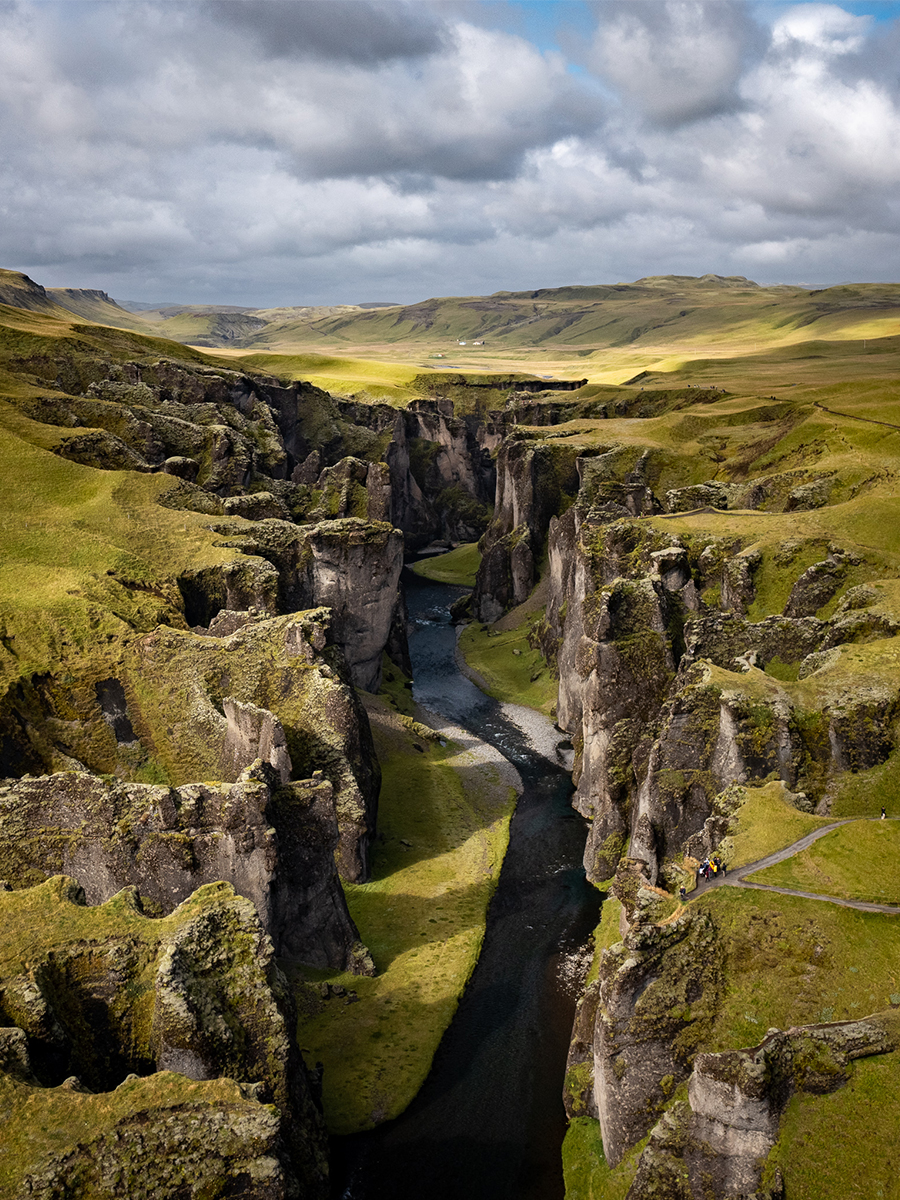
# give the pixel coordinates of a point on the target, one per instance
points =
(727, 668)
(489, 1121)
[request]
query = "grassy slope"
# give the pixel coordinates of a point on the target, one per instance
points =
(509, 668)
(344, 375)
(72, 534)
(856, 862)
(845, 1164)
(456, 567)
(842, 357)
(69, 534)
(443, 826)
(694, 329)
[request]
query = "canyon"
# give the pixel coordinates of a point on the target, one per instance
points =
(202, 601)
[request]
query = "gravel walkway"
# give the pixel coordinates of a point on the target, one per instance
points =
(736, 878)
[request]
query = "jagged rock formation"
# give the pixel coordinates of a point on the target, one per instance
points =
(694, 655)
(717, 1142)
(531, 484)
(658, 991)
(224, 434)
(168, 705)
(101, 1005)
(273, 841)
(639, 1034)
(348, 565)
(661, 668)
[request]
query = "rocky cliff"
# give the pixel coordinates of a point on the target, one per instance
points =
(109, 1018)
(709, 634)
(273, 842)
(663, 644)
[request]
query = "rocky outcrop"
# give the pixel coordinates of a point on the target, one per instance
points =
(351, 566)
(817, 585)
(253, 733)
(639, 1034)
(616, 660)
(661, 685)
(164, 712)
(138, 1009)
(658, 992)
(441, 469)
(255, 447)
(717, 1142)
(274, 844)
(533, 480)
(578, 1092)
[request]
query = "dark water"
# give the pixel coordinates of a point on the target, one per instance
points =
(488, 1123)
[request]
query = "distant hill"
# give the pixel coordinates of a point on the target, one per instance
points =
(19, 291)
(98, 307)
(684, 314)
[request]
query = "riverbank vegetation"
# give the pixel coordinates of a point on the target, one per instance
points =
(456, 567)
(508, 667)
(443, 824)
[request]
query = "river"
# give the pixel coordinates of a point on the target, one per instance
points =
(488, 1123)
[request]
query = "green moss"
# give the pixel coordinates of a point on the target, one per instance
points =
(578, 1080)
(435, 864)
(456, 567)
(786, 671)
(586, 1175)
(39, 1125)
(842, 1143)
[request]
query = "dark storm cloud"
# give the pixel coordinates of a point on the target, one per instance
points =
(357, 31)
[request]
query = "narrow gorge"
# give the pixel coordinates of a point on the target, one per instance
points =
(221, 769)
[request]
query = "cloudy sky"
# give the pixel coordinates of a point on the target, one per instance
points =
(269, 152)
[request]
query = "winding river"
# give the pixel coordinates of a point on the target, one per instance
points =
(488, 1123)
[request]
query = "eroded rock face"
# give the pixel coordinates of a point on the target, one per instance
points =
(252, 733)
(186, 1027)
(350, 565)
(659, 990)
(167, 706)
(273, 843)
(531, 481)
(717, 1143)
(653, 646)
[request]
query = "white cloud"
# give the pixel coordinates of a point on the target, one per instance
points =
(676, 60)
(826, 28)
(300, 151)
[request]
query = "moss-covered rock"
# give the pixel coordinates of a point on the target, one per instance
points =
(273, 843)
(196, 993)
(717, 1144)
(659, 991)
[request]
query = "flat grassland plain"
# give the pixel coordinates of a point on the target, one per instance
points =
(787, 380)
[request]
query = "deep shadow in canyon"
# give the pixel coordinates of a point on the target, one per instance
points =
(489, 1120)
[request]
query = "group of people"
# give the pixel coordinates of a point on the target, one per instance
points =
(710, 867)
(707, 870)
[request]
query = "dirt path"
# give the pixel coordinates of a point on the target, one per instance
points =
(853, 417)
(736, 878)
